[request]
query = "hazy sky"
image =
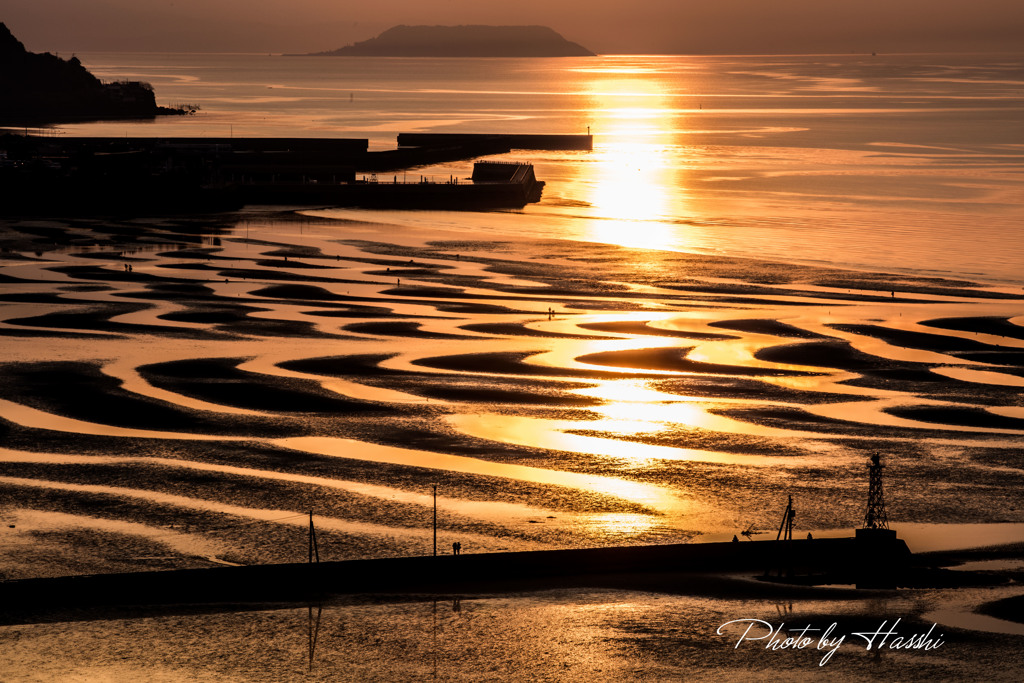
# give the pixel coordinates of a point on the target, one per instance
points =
(605, 26)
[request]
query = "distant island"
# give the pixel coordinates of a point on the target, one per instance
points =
(43, 88)
(464, 41)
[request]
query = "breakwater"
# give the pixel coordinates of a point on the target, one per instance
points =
(842, 559)
(126, 175)
(493, 186)
(514, 141)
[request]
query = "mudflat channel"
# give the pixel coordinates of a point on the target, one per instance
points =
(182, 393)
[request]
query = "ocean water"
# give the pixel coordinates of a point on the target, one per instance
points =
(900, 163)
(626, 383)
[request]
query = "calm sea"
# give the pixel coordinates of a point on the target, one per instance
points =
(909, 163)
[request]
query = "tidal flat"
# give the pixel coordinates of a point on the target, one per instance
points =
(182, 393)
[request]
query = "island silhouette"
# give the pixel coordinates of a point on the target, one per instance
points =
(44, 88)
(464, 41)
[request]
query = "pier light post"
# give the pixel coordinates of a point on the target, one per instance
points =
(435, 519)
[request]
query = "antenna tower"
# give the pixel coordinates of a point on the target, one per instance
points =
(875, 517)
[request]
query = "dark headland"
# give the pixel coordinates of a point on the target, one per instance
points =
(43, 88)
(464, 41)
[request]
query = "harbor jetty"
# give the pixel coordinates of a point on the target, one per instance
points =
(514, 141)
(493, 185)
(95, 174)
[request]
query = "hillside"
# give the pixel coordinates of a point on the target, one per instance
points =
(464, 41)
(43, 88)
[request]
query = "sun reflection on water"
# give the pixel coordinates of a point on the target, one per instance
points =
(612, 524)
(636, 182)
(633, 407)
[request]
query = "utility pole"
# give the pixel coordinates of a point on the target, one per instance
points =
(435, 519)
(314, 549)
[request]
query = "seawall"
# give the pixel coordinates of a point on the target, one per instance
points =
(482, 572)
(514, 141)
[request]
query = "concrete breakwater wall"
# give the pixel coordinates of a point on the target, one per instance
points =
(471, 572)
(127, 175)
(344, 146)
(514, 141)
(494, 185)
(396, 195)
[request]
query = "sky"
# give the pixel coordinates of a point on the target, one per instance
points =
(604, 26)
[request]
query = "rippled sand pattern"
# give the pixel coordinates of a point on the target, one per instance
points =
(243, 373)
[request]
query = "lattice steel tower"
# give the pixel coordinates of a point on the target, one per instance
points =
(875, 517)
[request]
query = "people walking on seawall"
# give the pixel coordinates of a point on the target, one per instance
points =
(456, 548)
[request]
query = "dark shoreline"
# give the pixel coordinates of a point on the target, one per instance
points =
(713, 570)
(486, 572)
